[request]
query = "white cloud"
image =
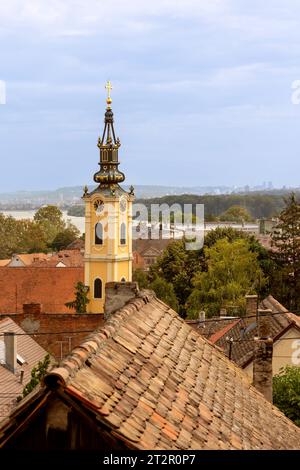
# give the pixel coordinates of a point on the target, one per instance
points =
(91, 17)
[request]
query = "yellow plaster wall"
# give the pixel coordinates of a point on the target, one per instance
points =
(110, 261)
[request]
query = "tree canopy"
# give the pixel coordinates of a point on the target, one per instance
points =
(164, 291)
(180, 267)
(286, 243)
(236, 214)
(232, 272)
(47, 231)
(286, 392)
(141, 278)
(81, 300)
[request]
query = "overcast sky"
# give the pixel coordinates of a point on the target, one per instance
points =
(201, 90)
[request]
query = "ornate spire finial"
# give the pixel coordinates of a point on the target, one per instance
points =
(109, 174)
(108, 88)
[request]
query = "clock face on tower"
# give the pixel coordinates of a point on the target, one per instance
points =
(123, 205)
(99, 206)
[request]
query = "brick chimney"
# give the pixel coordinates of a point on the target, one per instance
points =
(10, 342)
(251, 306)
(263, 353)
(117, 294)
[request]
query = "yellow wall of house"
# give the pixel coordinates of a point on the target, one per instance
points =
(286, 352)
(110, 261)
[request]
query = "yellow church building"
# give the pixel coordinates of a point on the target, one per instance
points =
(108, 220)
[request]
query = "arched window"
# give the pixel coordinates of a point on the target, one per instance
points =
(123, 279)
(98, 234)
(123, 234)
(98, 289)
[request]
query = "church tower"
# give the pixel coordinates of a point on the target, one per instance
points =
(108, 220)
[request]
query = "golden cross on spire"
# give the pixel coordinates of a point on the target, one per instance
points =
(108, 88)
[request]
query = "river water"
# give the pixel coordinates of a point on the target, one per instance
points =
(79, 222)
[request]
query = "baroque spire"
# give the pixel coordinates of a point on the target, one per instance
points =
(109, 174)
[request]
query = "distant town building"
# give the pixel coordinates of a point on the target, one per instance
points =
(266, 226)
(147, 251)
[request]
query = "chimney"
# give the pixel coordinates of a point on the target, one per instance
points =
(201, 316)
(251, 306)
(10, 342)
(223, 312)
(263, 353)
(117, 294)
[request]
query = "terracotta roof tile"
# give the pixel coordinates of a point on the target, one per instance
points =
(158, 384)
(219, 334)
(4, 262)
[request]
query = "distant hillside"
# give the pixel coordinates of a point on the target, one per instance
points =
(64, 197)
(68, 196)
(258, 205)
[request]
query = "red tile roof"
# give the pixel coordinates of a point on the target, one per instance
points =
(4, 262)
(77, 244)
(154, 383)
(242, 348)
(219, 334)
(157, 384)
(69, 258)
(29, 258)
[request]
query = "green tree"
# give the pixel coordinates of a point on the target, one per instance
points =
(286, 241)
(50, 219)
(8, 236)
(210, 218)
(81, 299)
(236, 214)
(165, 292)
(286, 392)
(31, 237)
(177, 266)
(264, 258)
(37, 375)
(20, 236)
(188, 218)
(64, 238)
(231, 234)
(76, 210)
(141, 278)
(259, 205)
(50, 214)
(56, 231)
(232, 272)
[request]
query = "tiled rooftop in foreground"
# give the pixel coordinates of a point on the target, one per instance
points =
(153, 382)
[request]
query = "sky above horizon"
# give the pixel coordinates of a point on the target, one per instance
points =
(202, 91)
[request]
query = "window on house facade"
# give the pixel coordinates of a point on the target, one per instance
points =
(98, 289)
(98, 234)
(123, 234)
